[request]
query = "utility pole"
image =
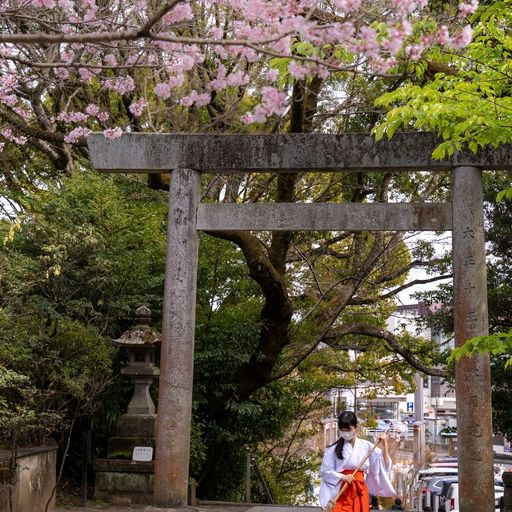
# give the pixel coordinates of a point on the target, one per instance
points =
(419, 425)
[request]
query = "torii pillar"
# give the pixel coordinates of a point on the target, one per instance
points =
(177, 353)
(473, 378)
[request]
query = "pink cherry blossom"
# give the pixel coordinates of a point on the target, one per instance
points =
(8, 99)
(61, 73)
(68, 55)
(113, 133)
(274, 101)
(92, 109)
(20, 139)
(163, 90)
(443, 35)
(197, 99)
(462, 39)
(348, 5)
(103, 117)
(406, 27)
(110, 59)
(72, 117)
(258, 30)
(297, 70)
(408, 6)
(76, 134)
(137, 107)
(6, 133)
(272, 75)
(369, 43)
(394, 42)
(66, 5)
(85, 74)
(187, 62)
(238, 78)
(414, 51)
(468, 7)
(340, 33)
(179, 13)
(220, 81)
(120, 85)
(47, 4)
(217, 32)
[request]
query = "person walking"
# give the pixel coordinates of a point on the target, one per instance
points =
(398, 505)
(343, 457)
(374, 503)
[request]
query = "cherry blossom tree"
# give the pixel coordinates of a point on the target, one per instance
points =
(70, 67)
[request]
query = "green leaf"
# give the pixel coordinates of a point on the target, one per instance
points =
(504, 194)
(379, 131)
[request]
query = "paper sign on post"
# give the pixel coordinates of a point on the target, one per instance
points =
(142, 454)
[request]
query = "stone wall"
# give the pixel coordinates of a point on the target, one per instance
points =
(34, 482)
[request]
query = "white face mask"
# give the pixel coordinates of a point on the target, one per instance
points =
(348, 436)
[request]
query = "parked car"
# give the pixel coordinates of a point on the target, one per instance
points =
(447, 458)
(445, 482)
(396, 425)
(425, 476)
(437, 471)
(435, 486)
(452, 502)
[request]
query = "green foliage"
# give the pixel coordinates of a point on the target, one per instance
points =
(78, 257)
(494, 344)
(84, 249)
(504, 194)
(470, 103)
(502, 395)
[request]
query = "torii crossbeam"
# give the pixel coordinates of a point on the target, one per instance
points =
(187, 156)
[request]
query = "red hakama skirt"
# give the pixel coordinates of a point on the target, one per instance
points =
(356, 497)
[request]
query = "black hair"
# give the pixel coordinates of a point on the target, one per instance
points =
(347, 419)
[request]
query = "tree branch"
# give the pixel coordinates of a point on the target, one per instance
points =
(275, 315)
(392, 342)
(31, 131)
(372, 300)
(144, 31)
(324, 249)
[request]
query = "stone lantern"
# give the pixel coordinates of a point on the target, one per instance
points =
(140, 342)
(122, 478)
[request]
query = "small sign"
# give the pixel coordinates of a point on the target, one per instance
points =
(410, 406)
(142, 454)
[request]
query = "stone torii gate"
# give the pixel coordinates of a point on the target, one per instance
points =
(187, 156)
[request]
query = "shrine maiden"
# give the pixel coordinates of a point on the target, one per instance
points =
(341, 459)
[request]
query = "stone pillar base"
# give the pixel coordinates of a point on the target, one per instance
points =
(123, 482)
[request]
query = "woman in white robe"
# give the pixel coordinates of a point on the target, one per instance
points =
(341, 459)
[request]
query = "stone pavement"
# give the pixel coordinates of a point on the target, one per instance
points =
(201, 508)
(215, 508)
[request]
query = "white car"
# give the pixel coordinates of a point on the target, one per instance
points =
(396, 426)
(452, 501)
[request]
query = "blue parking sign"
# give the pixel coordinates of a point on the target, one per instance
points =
(410, 406)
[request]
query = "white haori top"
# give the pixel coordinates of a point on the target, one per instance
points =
(377, 473)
